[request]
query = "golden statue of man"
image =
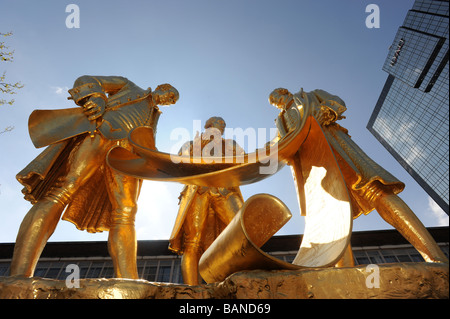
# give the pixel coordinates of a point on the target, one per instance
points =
(369, 185)
(71, 174)
(204, 211)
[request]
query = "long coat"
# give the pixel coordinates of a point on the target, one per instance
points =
(358, 169)
(128, 106)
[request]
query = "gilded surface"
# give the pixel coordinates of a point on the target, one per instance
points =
(336, 181)
(96, 156)
(71, 175)
(204, 211)
(369, 185)
(396, 281)
(238, 246)
(328, 220)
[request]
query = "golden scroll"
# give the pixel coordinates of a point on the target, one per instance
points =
(323, 198)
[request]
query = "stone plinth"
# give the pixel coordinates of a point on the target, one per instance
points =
(396, 281)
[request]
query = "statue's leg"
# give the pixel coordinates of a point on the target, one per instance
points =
(41, 220)
(347, 260)
(122, 243)
(395, 212)
(194, 226)
(189, 264)
(227, 207)
(36, 228)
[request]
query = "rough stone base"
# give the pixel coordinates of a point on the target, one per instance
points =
(396, 281)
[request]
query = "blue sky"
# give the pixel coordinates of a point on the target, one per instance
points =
(224, 57)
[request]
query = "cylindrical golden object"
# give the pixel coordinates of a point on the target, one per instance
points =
(238, 246)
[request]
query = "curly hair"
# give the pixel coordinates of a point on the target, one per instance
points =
(173, 92)
(211, 120)
(164, 87)
(279, 91)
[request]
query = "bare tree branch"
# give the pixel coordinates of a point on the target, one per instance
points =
(7, 55)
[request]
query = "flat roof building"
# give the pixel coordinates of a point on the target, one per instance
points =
(157, 264)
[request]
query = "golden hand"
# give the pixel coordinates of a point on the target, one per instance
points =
(94, 108)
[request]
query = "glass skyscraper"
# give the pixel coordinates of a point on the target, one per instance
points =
(411, 117)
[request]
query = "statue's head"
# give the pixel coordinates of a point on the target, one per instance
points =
(280, 98)
(165, 94)
(216, 122)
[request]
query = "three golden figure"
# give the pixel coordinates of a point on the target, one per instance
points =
(72, 178)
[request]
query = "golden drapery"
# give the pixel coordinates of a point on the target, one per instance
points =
(358, 169)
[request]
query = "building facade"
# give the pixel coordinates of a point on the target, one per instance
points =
(157, 264)
(411, 116)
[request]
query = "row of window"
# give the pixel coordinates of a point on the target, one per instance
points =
(432, 6)
(425, 128)
(169, 269)
(427, 23)
(424, 38)
(412, 58)
(155, 270)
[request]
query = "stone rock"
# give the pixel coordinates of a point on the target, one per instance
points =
(396, 281)
(385, 281)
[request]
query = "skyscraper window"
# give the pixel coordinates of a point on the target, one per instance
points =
(410, 118)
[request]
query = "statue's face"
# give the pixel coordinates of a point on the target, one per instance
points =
(166, 97)
(220, 125)
(278, 100)
(215, 124)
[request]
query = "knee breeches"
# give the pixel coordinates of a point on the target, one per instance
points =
(84, 161)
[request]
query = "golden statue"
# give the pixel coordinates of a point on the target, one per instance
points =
(204, 211)
(369, 185)
(71, 174)
(335, 180)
